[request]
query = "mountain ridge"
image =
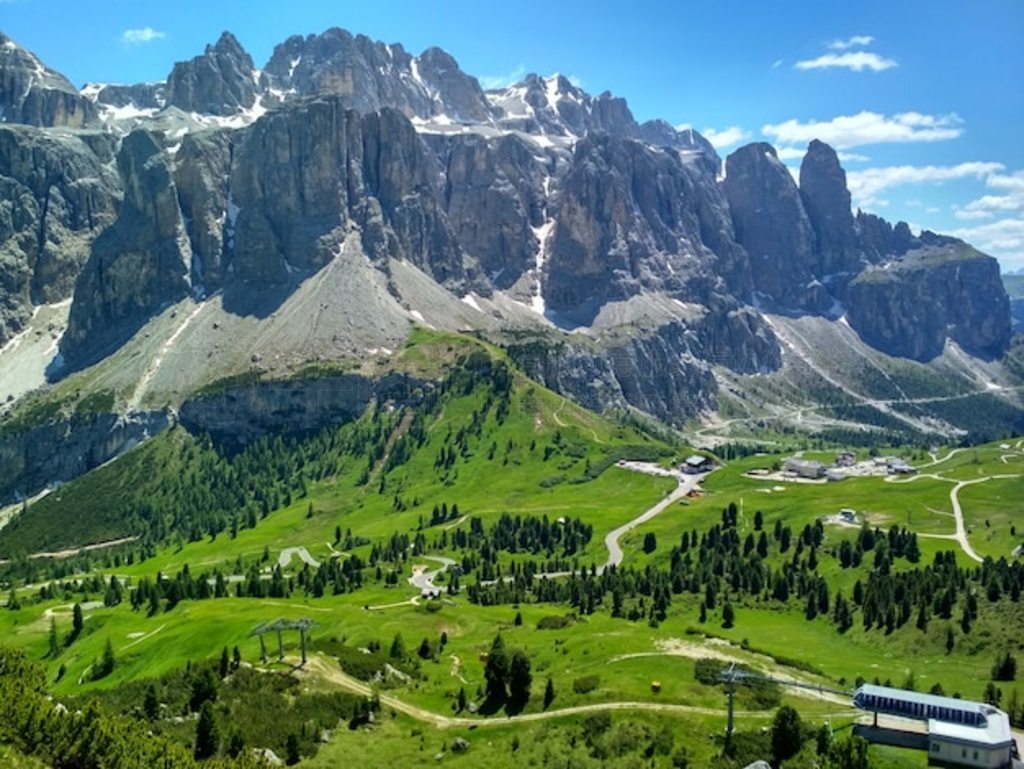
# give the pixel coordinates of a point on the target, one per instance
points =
(534, 212)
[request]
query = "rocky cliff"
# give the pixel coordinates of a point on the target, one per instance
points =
(539, 206)
(630, 217)
(240, 415)
(772, 225)
(33, 94)
(64, 449)
(369, 75)
(220, 82)
(57, 193)
(140, 263)
(943, 289)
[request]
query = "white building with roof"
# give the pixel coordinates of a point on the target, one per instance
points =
(960, 732)
(960, 745)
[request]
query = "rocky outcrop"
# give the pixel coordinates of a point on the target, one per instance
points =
(138, 95)
(631, 217)
(57, 193)
(738, 339)
(241, 415)
(826, 200)
(139, 264)
(33, 94)
(304, 178)
(942, 289)
(665, 371)
(369, 75)
(201, 170)
(655, 372)
(771, 224)
(494, 198)
(879, 239)
(220, 82)
(62, 450)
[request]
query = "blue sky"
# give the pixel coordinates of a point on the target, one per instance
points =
(925, 100)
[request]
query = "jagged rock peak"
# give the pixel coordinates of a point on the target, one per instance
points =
(772, 225)
(220, 82)
(34, 94)
(827, 201)
(370, 75)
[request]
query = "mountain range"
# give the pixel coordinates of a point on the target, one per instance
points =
(242, 224)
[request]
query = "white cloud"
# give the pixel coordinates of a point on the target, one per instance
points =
(847, 131)
(790, 153)
(1002, 235)
(857, 41)
(856, 61)
(988, 206)
(866, 185)
(726, 137)
(777, 63)
(576, 80)
(140, 36)
(1013, 182)
(490, 82)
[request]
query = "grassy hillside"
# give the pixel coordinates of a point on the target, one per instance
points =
(507, 480)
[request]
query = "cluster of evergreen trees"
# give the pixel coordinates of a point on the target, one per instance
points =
(722, 567)
(90, 738)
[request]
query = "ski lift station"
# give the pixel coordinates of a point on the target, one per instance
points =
(960, 732)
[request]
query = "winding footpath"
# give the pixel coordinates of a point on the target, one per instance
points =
(961, 529)
(333, 674)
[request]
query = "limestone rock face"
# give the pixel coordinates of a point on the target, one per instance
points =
(369, 75)
(139, 95)
(941, 289)
(139, 263)
(772, 225)
(494, 198)
(304, 178)
(541, 196)
(33, 94)
(61, 451)
(201, 168)
(826, 200)
(56, 194)
(220, 82)
(632, 217)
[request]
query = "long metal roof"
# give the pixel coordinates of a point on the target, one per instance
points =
(926, 699)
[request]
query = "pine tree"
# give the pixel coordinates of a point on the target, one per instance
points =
(225, 663)
(397, 651)
(519, 677)
(549, 693)
(786, 736)
(207, 732)
(77, 620)
(496, 670)
(291, 750)
(151, 703)
(54, 645)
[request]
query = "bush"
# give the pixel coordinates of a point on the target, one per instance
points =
(554, 622)
(586, 684)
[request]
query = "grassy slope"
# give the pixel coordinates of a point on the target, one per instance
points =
(147, 646)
